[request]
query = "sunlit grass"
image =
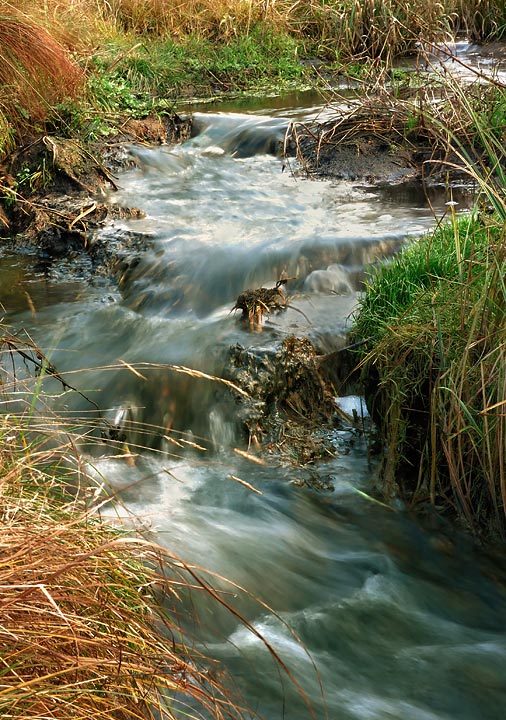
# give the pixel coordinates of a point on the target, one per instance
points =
(434, 366)
(36, 70)
(89, 613)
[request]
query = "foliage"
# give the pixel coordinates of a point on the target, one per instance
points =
(139, 55)
(35, 72)
(434, 318)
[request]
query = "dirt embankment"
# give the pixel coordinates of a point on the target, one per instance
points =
(53, 194)
(378, 142)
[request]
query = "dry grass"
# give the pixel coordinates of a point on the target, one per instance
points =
(93, 620)
(480, 20)
(371, 28)
(35, 72)
(89, 615)
(211, 18)
(350, 28)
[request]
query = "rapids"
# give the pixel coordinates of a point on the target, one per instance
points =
(377, 615)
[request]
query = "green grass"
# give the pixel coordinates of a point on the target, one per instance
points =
(433, 368)
(429, 269)
(167, 70)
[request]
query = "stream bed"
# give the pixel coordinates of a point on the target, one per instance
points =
(377, 614)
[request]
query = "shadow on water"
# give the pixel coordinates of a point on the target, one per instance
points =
(402, 620)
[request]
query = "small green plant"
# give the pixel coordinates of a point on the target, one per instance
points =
(33, 179)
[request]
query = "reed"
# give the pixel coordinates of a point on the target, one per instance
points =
(367, 27)
(479, 19)
(348, 28)
(36, 72)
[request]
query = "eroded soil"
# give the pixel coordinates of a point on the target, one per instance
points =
(52, 189)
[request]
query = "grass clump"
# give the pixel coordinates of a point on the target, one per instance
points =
(36, 72)
(165, 70)
(434, 370)
(89, 613)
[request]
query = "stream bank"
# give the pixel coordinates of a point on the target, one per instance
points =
(372, 593)
(53, 195)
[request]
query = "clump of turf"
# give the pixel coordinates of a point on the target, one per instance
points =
(434, 373)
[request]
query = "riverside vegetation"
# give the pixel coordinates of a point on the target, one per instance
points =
(102, 601)
(76, 66)
(434, 326)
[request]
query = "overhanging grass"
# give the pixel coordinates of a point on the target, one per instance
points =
(89, 613)
(94, 618)
(434, 370)
(36, 71)
(424, 276)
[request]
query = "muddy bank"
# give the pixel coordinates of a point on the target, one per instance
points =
(378, 142)
(51, 196)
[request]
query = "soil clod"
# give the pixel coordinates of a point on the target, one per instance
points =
(255, 303)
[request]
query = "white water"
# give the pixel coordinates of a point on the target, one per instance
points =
(401, 621)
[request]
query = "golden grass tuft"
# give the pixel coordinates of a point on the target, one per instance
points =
(88, 614)
(36, 71)
(219, 19)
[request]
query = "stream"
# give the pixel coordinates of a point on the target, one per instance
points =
(377, 614)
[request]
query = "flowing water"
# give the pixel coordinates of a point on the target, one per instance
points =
(377, 615)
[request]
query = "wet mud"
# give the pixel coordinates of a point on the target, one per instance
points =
(52, 197)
